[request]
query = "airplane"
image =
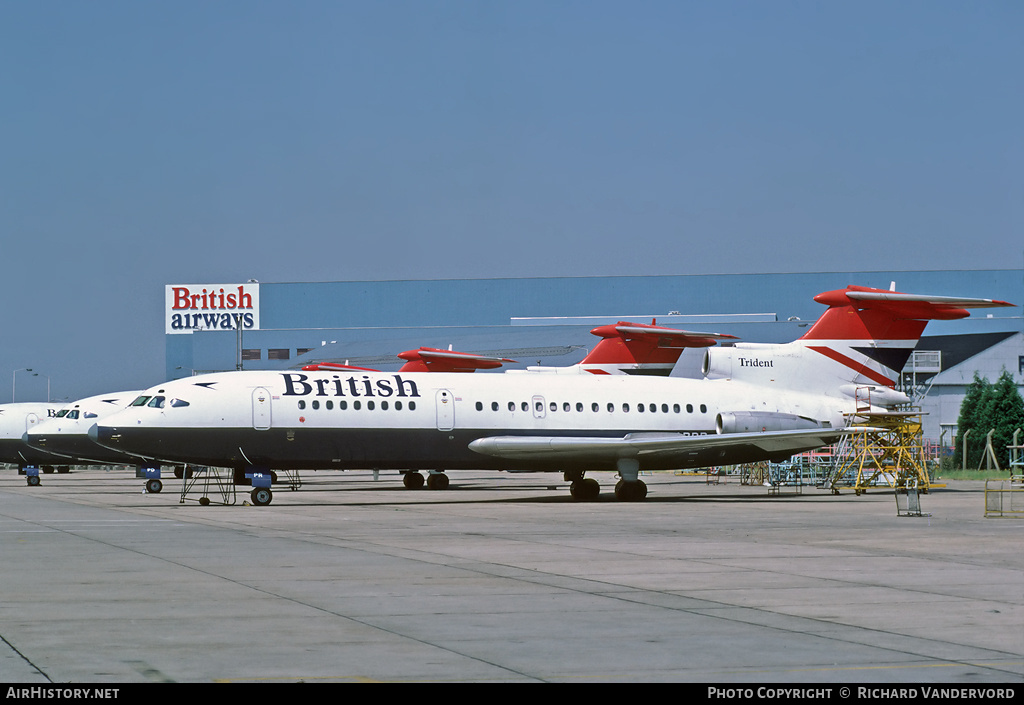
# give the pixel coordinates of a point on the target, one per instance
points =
(65, 433)
(15, 420)
(755, 402)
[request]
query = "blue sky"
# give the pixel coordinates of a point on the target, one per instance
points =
(147, 144)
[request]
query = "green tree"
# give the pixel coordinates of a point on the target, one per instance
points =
(971, 411)
(1004, 412)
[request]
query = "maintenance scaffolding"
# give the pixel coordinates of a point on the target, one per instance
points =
(886, 449)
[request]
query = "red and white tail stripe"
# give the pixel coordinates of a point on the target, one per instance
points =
(874, 331)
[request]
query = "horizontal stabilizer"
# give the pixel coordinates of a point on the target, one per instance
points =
(435, 360)
(665, 337)
(908, 306)
(329, 366)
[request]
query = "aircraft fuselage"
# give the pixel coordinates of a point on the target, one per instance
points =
(312, 420)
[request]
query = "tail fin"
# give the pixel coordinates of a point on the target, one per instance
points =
(642, 349)
(858, 347)
(874, 331)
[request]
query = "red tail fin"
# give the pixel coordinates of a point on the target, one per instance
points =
(874, 331)
(639, 348)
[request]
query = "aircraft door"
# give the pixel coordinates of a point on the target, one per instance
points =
(261, 409)
(30, 421)
(445, 410)
(538, 407)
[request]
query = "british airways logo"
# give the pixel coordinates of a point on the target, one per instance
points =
(195, 307)
(297, 384)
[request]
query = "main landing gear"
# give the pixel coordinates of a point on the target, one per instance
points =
(435, 480)
(628, 489)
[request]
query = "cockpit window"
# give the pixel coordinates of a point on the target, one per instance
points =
(178, 402)
(73, 414)
(89, 415)
(141, 401)
(156, 403)
(61, 414)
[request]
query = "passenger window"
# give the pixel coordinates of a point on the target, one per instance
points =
(479, 406)
(384, 405)
(689, 408)
(302, 403)
(652, 408)
(342, 405)
(494, 406)
(527, 408)
(594, 407)
(664, 408)
(625, 407)
(511, 406)
(328, 405)
(412, 406)
(640, 408)
(675, 408)
(398, 405)
(370, 405)
(357, 405)
(554, 406)
(611, 407)
(703, 409)
(566, 407)
(316, 404)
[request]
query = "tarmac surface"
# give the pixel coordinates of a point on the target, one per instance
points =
(503, 578)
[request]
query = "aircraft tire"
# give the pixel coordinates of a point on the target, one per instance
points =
(33, 480)
(437, 481)
(261, 496)
(585, 490)
(412, 480)
(154, 486)
(631, 491)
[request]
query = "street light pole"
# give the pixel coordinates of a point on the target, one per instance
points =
(14, 379)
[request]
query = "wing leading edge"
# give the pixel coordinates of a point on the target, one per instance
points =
(665, 448)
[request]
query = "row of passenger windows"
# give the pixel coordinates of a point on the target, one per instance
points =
(357, 405)
(595, 407)
(495, 406)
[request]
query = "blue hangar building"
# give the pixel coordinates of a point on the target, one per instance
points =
(547, 321)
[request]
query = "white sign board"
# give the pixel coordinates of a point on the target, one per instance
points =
(198, 307)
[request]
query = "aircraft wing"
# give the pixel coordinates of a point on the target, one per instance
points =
(662, 446)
